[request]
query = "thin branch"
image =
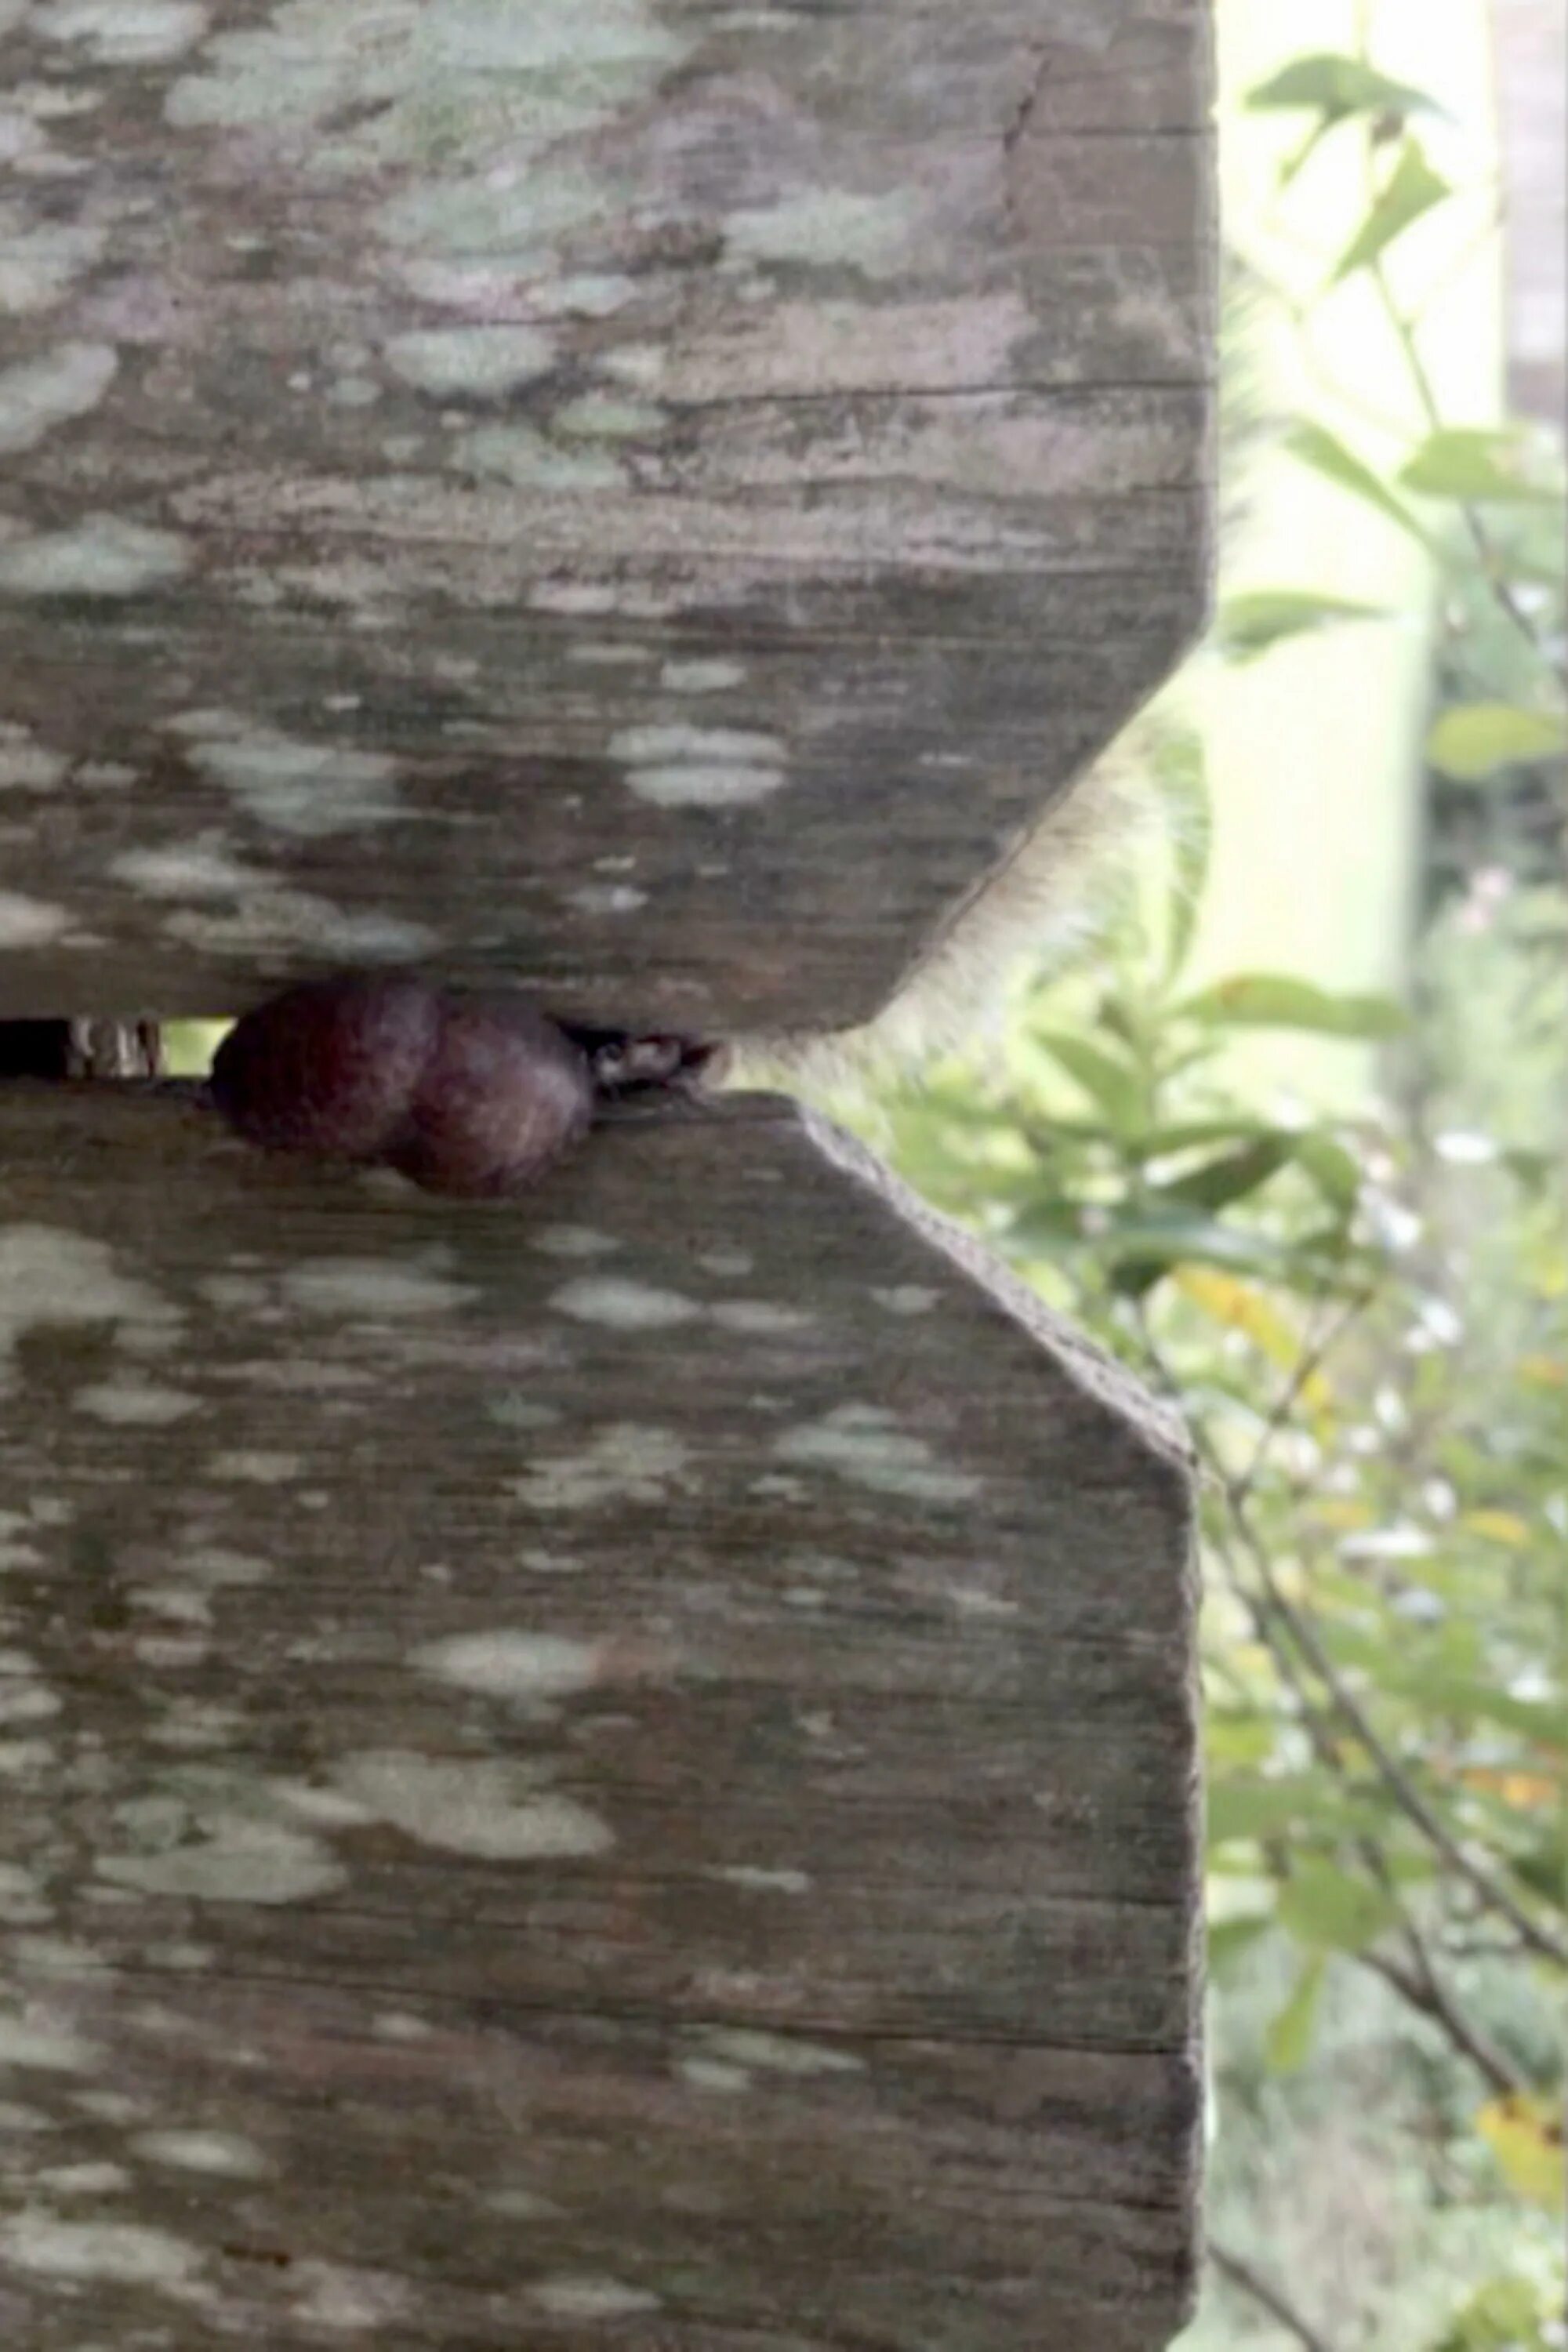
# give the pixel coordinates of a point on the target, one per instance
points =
(1405, 1795)
(1309, 1361)
(1262, 2291)
(1424, 1992)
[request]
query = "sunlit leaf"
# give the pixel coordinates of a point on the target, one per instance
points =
(1477, 465)
(1335, 85)
(1501, 1526)
(1240, 1306)
(1329, 1910)
(1315, 446)
(1230, 1176)
(1525, 2135)
(1412, 190)
(1520, 1791)
(1288, 2038)
(1248, 624)
(1474, 739)
(1227, 1939)
(1280, 1001)
(1105, 1078)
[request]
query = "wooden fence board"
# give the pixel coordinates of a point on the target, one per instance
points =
(615, 1768)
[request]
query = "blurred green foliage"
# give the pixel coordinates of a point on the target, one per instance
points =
(1365, 1323)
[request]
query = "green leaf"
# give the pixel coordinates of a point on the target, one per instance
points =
(1474, 739)
(1473, 463)
(1288, 2038)
(1230, 1175)
(1105, 1078)
(1335, 1172)
(1228, 1939)
(1413, 189)
(1329, 1910)
(1144, 1247)
(1278, 1001)
(1248, 625)
(1256, 1805)
(1335, 86)
(1315, 446)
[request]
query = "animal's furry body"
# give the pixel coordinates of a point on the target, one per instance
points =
(1034, 906)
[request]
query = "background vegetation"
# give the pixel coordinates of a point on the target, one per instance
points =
(1363, 1315)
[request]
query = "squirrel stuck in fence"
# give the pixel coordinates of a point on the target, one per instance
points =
(477, 1092)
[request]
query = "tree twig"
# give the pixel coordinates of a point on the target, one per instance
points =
(1263, 2291)
(1405, 1795)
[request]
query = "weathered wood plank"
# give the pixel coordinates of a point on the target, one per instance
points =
(546, 490)
(619, 1763)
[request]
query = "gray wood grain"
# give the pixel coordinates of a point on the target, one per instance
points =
(614, 1769)
(646, 496)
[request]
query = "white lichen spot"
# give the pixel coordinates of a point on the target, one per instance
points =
(972, 1600)
(347, 2301)
(35, 2039)
(907, 1298)
(864, 1444)
(135, 1404)
(598, 416)
(26, 765)
(215, 1565)
(830, 228)
(713, 2075)
(573, 1241)
(108, 2107)
(485, 362)
(196, 1725)
(728, 1264)
(29, 922)
(373, 1289)
(401, 2025)
(699, 767)
(607, 898)
(22, 1899)
(84, 2179)
(254, 1466)
(766, 1880)
(51, 1278)
(489, 1806)
(519, 2205)
(530, 460)
(41, 393)
(307, 789)
(777, 2054)
(130, 2253)
(19, 2121)
(586, 2297)
(102, 555)
(511, 1665)
(623, 1305)
(626, 1463)
(226, 2155)
(241, 1861)
(27, 1702)
(39, 261)
(197, 868)
(123, 32)
(701, 677)
(761, 1317)
(354, 392)
(591, 294)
